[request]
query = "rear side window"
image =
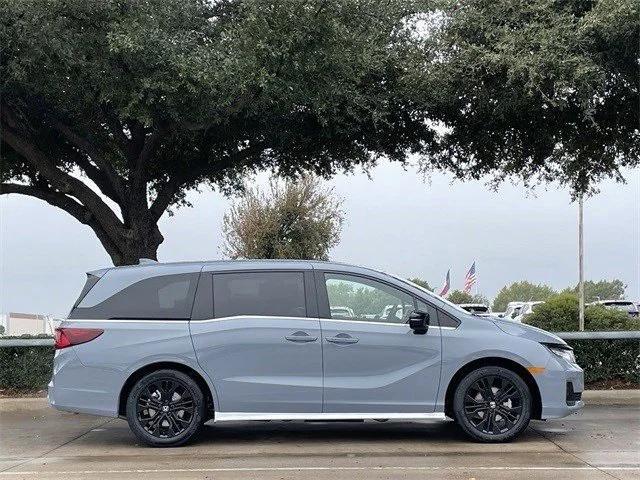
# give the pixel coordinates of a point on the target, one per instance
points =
(259, 293)
(167, 297)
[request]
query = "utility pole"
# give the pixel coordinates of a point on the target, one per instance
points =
(581, 263)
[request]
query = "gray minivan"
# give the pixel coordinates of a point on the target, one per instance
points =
(171, 346)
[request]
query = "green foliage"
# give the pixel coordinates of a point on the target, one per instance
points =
(560, 314)
(539, 89)
(25, 368)
(295, 219)
(149, 99)
(601, 290)
(1, 329)
(458, 297)
(422, 283)
(600, 359)
(521, 292)
(608, 359)
(146, 100)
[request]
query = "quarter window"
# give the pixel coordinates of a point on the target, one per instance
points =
(166, 297)
(357, 298)
(259, 293)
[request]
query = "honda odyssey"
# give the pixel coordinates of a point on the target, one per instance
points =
(171, 346)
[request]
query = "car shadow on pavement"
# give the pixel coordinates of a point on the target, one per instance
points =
(315, 436)
(338, 432)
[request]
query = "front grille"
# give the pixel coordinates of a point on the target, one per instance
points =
(572, 397)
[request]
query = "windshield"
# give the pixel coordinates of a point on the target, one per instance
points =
(478, 308)
(431, 294)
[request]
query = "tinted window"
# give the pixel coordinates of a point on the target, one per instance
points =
(433, 313)
(443, 319)
(357, 298)
(278, 294)
(163, 297)
(447, 320)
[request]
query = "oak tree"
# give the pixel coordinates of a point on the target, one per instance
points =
(112, 110)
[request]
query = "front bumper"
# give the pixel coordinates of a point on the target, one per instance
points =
(561, 388)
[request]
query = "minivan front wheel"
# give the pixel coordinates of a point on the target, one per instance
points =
(165, 408)
(492, 404)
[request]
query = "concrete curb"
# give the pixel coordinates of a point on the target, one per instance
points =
(590, 397)
(14, 404)
(611, 397)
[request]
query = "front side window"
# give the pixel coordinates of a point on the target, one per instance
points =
(167, 297)
(279, 294)
(357, 298)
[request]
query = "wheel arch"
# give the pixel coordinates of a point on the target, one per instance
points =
(512, 365)
(152, 367)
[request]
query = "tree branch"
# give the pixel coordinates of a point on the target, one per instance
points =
(151, 143)
(87, 146)
(69, 205)
(62, 181)
(52, 197)
(167, 192)
(115, 127)
(98, 177)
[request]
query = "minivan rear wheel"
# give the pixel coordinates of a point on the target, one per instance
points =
(165, 408)
(492, 404)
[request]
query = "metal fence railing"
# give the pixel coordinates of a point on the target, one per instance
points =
(25, 342)
(613, 335)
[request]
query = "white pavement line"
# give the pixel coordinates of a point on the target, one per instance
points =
(296, 469)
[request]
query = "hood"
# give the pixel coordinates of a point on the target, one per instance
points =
(527, 331)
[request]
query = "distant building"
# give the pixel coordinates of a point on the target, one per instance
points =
(26, 323)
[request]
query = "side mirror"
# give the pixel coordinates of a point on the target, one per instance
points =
(419, 322)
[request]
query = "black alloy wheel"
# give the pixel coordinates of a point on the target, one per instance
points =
(492, 404)
(165, 408)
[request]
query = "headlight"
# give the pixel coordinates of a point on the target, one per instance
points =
(562, 351)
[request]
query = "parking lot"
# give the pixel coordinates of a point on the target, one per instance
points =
(603, 441)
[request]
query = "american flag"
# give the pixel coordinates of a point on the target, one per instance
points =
(470, 279)
(447, 284)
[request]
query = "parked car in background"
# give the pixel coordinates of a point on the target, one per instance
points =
(527, 309)
(345, 312)
(477, 308)
(512, 311)
(171, 346)
(624, 305)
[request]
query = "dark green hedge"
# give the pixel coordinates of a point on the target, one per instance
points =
(608, 359)
(29, 368)
(25, 368)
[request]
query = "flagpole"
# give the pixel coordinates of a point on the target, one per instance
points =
(580, 264)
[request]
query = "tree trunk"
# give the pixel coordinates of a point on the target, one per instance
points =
(140, 241)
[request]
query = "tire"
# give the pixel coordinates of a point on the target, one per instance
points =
(176, 419)
(492, 404)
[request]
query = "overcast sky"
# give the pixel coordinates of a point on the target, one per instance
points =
(394, 221)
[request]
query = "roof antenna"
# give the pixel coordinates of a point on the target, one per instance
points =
(146, 261)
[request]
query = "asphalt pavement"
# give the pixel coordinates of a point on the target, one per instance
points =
(601, 442)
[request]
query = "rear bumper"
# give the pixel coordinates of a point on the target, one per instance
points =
(80, 389)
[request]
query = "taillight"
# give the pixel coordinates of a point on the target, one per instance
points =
(67, 337)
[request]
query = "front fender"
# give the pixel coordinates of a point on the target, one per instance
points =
(473, 342)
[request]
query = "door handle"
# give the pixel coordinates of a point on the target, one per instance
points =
(342, 339)
(301, 337)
